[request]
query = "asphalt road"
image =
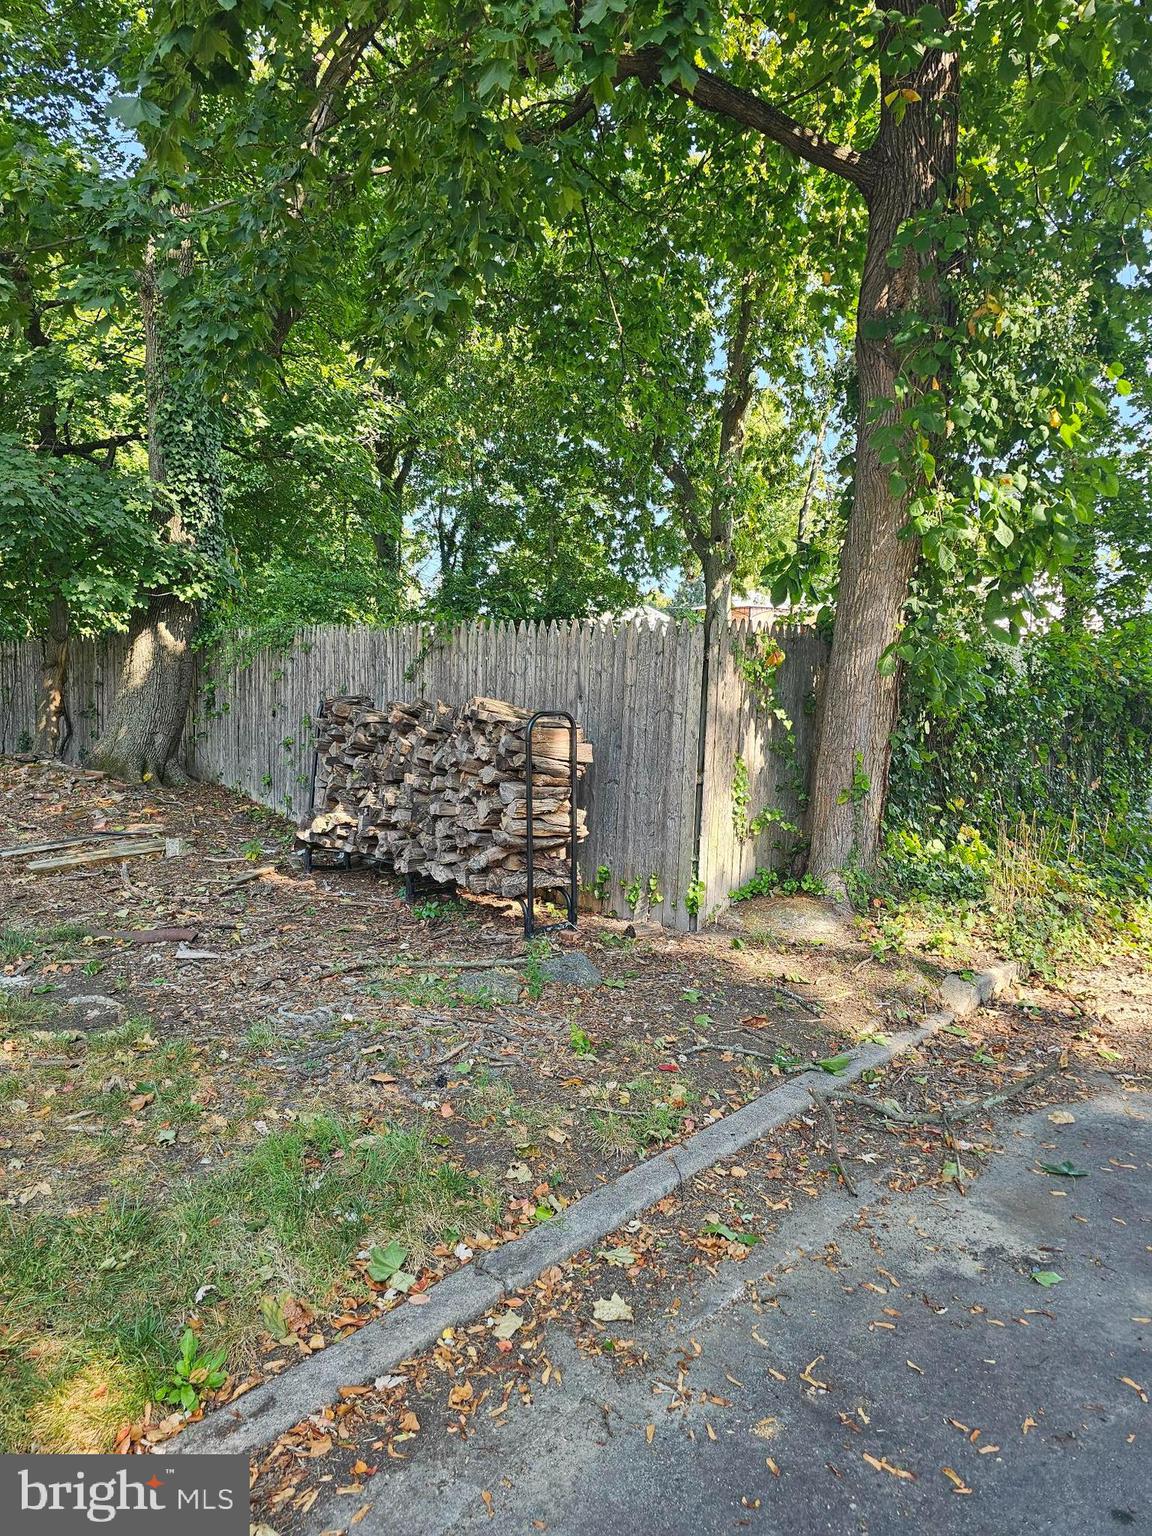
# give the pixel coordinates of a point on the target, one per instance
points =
(1064, 1443)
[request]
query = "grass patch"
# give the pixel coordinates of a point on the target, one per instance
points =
(262, 1036)
(21, 1012)
(643, 1113)
(30, 943)
(423, 991)
(124, 1037)
(491, 1098)
(114, 1287)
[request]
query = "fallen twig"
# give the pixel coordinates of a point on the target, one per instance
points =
(829, 1115)
(347, 970)
(456, 1050)
(794, 997)
(960, 1112)
(736, 1050)
(253, 874)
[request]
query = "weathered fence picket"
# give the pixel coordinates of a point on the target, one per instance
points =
(634, 686)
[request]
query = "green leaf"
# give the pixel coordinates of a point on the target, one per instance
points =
(730, 1234)
(834, 1064)
(1066, 1169)
(385, 1263)
(1046, 1277)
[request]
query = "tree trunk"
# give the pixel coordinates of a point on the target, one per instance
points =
(717, 568)
(53, 723)
(142, 738)
(393, 466)
(912, 161)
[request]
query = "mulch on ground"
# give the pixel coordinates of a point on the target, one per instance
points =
(264, 994)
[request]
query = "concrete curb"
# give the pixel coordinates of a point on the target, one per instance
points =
(962, 997)
(258, 1417)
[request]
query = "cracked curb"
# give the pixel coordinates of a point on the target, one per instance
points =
(257, 1418)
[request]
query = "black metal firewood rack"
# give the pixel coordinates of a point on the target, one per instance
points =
(420, 887)
(308, 852)
(572, 893)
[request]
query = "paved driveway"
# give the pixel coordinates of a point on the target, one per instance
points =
(900, 1377)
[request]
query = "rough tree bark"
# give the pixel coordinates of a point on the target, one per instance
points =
(143, 734)
(53, 722)
(141, 739)
(910, 163)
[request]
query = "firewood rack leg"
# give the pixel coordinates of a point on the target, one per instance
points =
(572, 894)
(343, 860)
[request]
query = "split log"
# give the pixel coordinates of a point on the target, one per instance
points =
(431, 792)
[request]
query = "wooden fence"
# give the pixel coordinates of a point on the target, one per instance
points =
(675, 826)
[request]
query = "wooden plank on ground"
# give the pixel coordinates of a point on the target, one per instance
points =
(112, 853)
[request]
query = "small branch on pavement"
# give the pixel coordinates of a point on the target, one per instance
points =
(829, 1116)
(963, 1111)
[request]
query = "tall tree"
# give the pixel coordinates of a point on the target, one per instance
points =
(73, 548)
(977, 141)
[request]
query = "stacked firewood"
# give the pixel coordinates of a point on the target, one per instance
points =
(446, 797)
(331, 821)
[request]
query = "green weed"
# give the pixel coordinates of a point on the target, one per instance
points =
(652, 1112)
(33, 943)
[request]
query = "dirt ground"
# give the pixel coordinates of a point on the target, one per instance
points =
(291, 994)
(160, 1016)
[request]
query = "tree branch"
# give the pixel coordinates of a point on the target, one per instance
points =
(687, 501)
(60, 450)
(724, 99)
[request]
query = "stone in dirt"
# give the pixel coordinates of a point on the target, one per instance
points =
(499, 986)
(93, 1003)
(312, 1018)
(573, 968)
(15, 983)
(808, 919)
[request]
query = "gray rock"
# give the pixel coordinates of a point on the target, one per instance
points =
(312, 1018)
(997, 979)
(94, 1002)
(573, 968)
(15, 983)
(495, 986)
